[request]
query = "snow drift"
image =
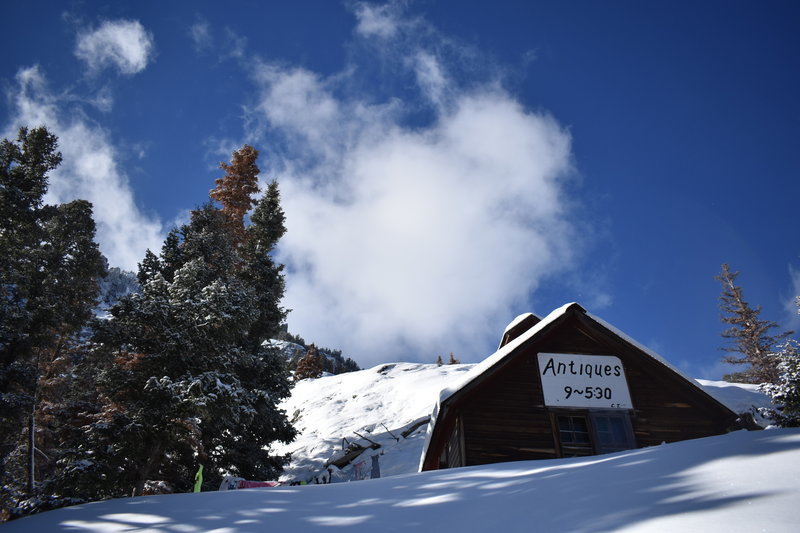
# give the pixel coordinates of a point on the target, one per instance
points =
(743, 481)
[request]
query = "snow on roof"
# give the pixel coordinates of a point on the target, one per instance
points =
(516, 321)
(500, 354)
(485, 365)
(646, 350)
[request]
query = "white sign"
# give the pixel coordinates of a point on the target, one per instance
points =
(572, 380)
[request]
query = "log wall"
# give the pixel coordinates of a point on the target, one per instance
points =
(503, 416)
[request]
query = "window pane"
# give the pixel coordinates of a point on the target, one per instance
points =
(612, 433)
(573, 430)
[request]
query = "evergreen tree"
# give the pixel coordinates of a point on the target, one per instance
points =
(453, 360)
(235, 190)
(183, 365)
(749, 335)
(49, 265)
(310, 366)
(439, 361)
(261, 237)
(785, 392)
(332, 360)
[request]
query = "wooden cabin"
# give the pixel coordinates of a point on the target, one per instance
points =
(563, 386)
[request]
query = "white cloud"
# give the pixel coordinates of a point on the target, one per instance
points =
(123, 44)
(405, 241)
(377, 21)
(430, 77)
(296, 101)
(89, 170)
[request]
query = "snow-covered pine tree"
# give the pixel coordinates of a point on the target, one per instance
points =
(187, 378)
(749, 335)
(49, 265)
(267, 226)
(785, 392)
(116, 284)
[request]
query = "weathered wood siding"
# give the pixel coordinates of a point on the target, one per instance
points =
(455, 446)
(506, 420)
(504, 417)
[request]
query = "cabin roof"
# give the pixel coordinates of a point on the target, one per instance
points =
(516, 321)
(507, 350)
(519, 325)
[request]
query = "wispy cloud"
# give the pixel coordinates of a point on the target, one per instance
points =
(430, 77)
(89, 169)
(406, 238)
(221, 44)
(200, 33)
(377, 20)
(121, 44)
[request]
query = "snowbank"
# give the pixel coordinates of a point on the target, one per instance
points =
(744, 481)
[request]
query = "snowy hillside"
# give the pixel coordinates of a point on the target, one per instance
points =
(375, 406)
(740, 482)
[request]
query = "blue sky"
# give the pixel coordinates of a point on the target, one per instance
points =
(445, 165)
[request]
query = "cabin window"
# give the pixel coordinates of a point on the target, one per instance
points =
(573, 432)
(613, 432)
(592, 433)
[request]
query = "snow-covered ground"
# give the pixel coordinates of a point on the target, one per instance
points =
(740, 482)
(744, 481)
(379, 403)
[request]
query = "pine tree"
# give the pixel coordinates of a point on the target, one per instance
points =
(235, 190)
(749, 335)
(310, 366)
(785, 391)
(453, 360)
(439, 361)
(49, 265)
(183, 367)
(261, 237)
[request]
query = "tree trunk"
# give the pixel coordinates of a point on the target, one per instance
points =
(153, 461)
(31, 451)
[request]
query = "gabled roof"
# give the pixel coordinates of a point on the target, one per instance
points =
(505, 351)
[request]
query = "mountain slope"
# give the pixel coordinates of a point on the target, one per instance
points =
(378, 404)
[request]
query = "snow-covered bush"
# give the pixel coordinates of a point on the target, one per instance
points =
(785, 393)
